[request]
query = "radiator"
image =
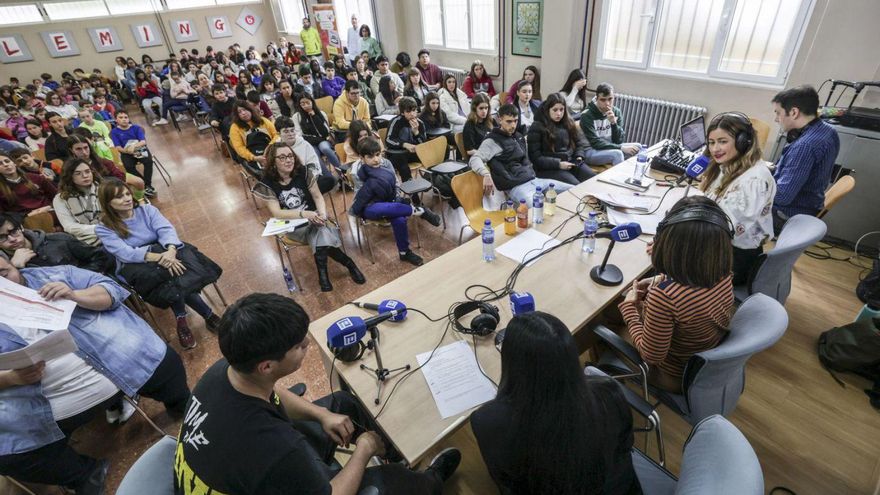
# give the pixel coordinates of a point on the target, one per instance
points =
(459, 74)
(649, 120)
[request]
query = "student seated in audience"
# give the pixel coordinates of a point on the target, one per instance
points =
(332, 84)
(356, 131)
(221, 110)
(687, 307)
(503, 161)
(268, 95)
(291, 135)
(140, 237)
(388, 96)
(602, 124)
(404, 133)
(415, 88)
(742, 185)
(36, 138)
(104, 109)
(56, 143)
(23, 192)
(76, 204)
(284, 99)
(99, 131)
(257, 105)
(307, 84)
(81, 147)
(575, 93)
(557, 147)
(351, 75)
(250, 133)
(26, 161)
(803, 172)
(479, 124)
(244, 433)
(16, 122)
(432, 115)
(245, 84)
(574, 433)
(453, 102)
(150, 95)
(32, 248)
(340, 64)
(39, 401)
(402, 63)
(350, 106)
(314, 126)
(317, 71)
(257, 75)
(528, 107)
(531, 75)
(430, 72)
(478, 81)
(378, 198)
(131, 143)
(55, 103)
(297, 195)
(382, 70)
(365, 75)
(182, 95)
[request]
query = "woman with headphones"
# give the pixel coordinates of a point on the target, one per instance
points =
(742, 185)
(551, 429)
(687, 307)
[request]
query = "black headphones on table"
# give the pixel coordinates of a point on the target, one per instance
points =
(483, 324)
(349, 354)
(744, 139)
(699, 212)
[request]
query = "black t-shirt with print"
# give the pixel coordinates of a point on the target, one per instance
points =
(231, 443)
(295, 194)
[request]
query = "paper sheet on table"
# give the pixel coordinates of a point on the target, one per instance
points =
(53, 345)
(647, 222)
(24, 307)
(277, 226)
(626, 200)
(527, 245)
(455, 380)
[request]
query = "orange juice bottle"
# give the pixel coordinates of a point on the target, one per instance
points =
(509, 218)
(522, 215)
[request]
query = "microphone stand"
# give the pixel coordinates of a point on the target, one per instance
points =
(381, 372)
(606, 274)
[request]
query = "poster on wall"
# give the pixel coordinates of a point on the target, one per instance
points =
(146, 34)
(184, 30)
(105, 39)
(219, 27)
(14, 49)
(527, 19)
(249, 20)
(60, 43)
(325, 17)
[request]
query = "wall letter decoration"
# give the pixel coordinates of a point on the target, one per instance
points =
(105, 39)
(184, 30)
(249, 20)
(14, 49)
(60, 43)
(219, 26)
(146, 34)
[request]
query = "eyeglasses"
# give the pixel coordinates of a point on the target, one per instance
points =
(284, 158)
(14, 232)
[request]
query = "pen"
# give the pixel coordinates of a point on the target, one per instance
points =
(645, 195)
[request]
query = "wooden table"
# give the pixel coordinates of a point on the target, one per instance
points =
(559, 281)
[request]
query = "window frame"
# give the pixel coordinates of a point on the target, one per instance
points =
(713, 73)
(48, 18)
(157, 6)
(39, 10)
(278, 14)
(470, 48)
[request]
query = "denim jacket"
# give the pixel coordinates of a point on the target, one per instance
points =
(116, 342)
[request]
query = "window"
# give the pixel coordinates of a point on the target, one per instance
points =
(288, 15)
(60, 11)
(187, 4)
(230, 2)
(20, 14)
(746, 40)
(124, 7)
(344, 10)
(459, 24)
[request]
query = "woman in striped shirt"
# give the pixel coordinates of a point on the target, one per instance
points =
(687, 307)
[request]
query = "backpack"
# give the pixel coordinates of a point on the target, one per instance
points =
(868, 290)
(443, 183)
(854, 348)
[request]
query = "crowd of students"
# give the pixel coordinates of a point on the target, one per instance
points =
(264, 107)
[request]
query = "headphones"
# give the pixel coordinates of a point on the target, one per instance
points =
(794, 134)
(483, 324)
(744, 139)
(699, 212)
(349, 354)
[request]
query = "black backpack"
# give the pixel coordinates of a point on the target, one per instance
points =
(854, 348)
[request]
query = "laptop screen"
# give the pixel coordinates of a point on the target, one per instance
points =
(693, 134)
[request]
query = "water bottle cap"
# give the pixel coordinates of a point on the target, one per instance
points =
(593, 214)
(552, 186)
(522, 201)
(488, 222)
(537, 188)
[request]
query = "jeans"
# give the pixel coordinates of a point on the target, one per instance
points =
(744, 261)
(195, 302)
(130, 164)
(58, 464)
(604, 157)
(176, 104)
(325, 149)
(574, 176)
(147, 103)
(526, 191)
(397, 214)
(779, 220)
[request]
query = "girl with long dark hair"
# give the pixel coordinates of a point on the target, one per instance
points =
(315, 128)
(531, 75)
(22, 192)
(557, 147)
(453, 102)
(478, 81)
(478, 125)
(386, 100)
(575, 93)
(415, 88)
(250, 133)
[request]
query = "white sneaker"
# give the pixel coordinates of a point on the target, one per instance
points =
(127, 410)
(112, 415)
(183, 118)
(160, 122)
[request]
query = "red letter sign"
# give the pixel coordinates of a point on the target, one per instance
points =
(250, 19)
(60, 42)
(10, 47)
(184, 27)
(105, 38)
(218, 25)
(148, 33)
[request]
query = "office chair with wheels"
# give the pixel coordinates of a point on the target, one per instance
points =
(153, 472)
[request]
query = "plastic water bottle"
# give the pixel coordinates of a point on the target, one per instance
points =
(591, 225)
(641, 166)
(288, 279)
(538, 206)
(550, 200)
(488, 241)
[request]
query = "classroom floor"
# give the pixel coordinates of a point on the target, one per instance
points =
(810, 434)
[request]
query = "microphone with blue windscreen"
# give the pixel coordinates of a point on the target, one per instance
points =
(610, 275)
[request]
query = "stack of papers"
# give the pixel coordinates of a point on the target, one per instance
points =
(455, 379)
(626, 200)
(24, 307)
(53, 345)
(277, 226)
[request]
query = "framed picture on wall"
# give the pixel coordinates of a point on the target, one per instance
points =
(527, 21)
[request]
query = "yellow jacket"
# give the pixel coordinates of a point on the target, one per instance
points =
(343, 111)
(311, 41)
(238, 137)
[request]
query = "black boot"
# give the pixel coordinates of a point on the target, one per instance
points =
(323, 276)
(343, 259)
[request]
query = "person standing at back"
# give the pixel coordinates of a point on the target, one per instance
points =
(804, 169)
(311, 40)
(602, 123)
(353, 42)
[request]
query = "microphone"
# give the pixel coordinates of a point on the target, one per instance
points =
(696, 168)
(384, 307)
(350, 330)
(610, 275)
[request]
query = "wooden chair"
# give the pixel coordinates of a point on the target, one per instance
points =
(432, 156)
(459, 141)
(468, 188)
(762, 130)
(39, 154)
(836, 192)
(56, 165)
(366, 225)
(325, 104)
(345, 178)
(7, 130)
(41, 221)
(502, 98)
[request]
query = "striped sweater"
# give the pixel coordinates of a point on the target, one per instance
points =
(679, 321)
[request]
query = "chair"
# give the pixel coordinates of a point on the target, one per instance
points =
(717, 458)
(153, 472)
(343, 159)
(42, 221)
(325, 104)
(7, 130)
(459, 141)
(468, 188)
(39, 154)
(836, 192)
(432, 156)
(56, 165)
(713, 380)
(772, 274)
(762, 130)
